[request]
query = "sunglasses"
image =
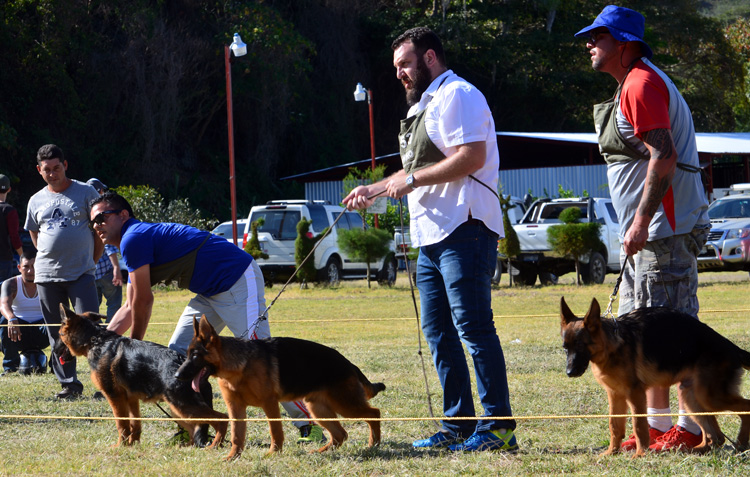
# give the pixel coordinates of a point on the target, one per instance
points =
(595, 36)
(101, 217)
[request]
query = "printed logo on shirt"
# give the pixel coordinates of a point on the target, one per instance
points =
(58, 220)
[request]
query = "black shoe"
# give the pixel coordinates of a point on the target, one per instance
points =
(8, 371)
(98, 396)
(68, 394)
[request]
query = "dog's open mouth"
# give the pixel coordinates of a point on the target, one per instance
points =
(202, 375)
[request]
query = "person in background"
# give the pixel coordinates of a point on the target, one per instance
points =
(19, 304)
(10, 240)
(107, 276)
(57, 218)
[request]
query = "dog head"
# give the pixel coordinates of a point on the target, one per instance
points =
(579, 336)
(75, 333)
(203, 354)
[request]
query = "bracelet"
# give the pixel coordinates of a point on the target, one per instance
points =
(12, 320)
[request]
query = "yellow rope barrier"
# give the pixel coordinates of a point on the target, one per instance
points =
(382, 419)
(341, 320)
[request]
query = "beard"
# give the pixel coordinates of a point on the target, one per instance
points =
(422, 80)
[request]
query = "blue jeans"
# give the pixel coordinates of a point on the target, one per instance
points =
(32, 337)
(105, 288)
(453, 278)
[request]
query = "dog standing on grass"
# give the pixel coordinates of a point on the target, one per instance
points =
(128, 371)
(264, 372)
(629, 355)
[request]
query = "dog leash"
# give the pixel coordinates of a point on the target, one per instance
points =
(264, 315)
(612, 297)
(416, 313)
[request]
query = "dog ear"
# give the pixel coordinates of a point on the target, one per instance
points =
(566, 316)
(95, 318)
(65, 314)
(196, 327)
(205, 330)
(593, 318)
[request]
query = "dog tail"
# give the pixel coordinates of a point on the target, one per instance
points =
(371, 389)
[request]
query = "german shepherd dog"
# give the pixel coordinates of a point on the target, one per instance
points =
(657, 347)
(264, 372)
(128, 371)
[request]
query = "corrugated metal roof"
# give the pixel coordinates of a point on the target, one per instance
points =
(709, 143)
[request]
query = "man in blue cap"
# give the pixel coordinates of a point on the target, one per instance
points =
(647, 138)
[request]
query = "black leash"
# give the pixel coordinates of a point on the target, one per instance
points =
(416, 313)
(614, 293)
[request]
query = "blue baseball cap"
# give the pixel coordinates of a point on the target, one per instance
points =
(623, 24)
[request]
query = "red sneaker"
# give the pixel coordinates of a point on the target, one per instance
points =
(677, 438)
(653, 436)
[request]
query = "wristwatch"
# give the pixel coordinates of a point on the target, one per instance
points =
(410, 181)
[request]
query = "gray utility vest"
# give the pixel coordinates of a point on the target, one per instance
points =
(613, 146)
(416, 148)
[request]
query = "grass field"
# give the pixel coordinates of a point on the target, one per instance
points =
(376, 330)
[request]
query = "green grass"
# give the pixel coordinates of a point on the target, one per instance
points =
(385, 348)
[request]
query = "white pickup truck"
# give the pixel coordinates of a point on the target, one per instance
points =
(537, 258)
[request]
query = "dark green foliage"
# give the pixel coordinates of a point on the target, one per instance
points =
(573, 239)
(508, 246)
(303, 245)
(253, 245)
(134, 91)
(149, 206)
(367, 245)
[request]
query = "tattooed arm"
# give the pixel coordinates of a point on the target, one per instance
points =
(661, 169)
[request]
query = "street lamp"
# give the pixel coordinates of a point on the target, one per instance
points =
(360, 93)
(238, 48)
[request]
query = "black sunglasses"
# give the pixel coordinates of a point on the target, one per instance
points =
(101, 217)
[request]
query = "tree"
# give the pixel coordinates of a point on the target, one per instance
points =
(574, 239)
(303, 246)
(149, 206)
(509, 245)
(253, 244)
(368, 245)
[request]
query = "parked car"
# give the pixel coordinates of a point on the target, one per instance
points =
(728, 244)
(224, 229)
(279, 231)
(538, 259)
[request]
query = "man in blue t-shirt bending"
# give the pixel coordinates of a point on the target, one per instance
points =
(227, 281)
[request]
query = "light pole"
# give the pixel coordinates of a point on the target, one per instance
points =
(360, 93)
(238, 48)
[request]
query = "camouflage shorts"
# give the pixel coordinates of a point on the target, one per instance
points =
(664, 273)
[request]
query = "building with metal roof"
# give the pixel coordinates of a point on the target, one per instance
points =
(540, 163)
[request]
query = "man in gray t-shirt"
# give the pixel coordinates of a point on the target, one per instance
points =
(57, 219)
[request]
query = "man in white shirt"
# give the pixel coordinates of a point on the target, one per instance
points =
(19, 305)
(450, 158)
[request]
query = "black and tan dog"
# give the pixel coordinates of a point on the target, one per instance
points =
(128, 371)
(657, 347)
(264, 372)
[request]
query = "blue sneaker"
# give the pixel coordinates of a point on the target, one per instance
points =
(488, 440)
(440, 439)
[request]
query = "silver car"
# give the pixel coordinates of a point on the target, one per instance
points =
(728, 244)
